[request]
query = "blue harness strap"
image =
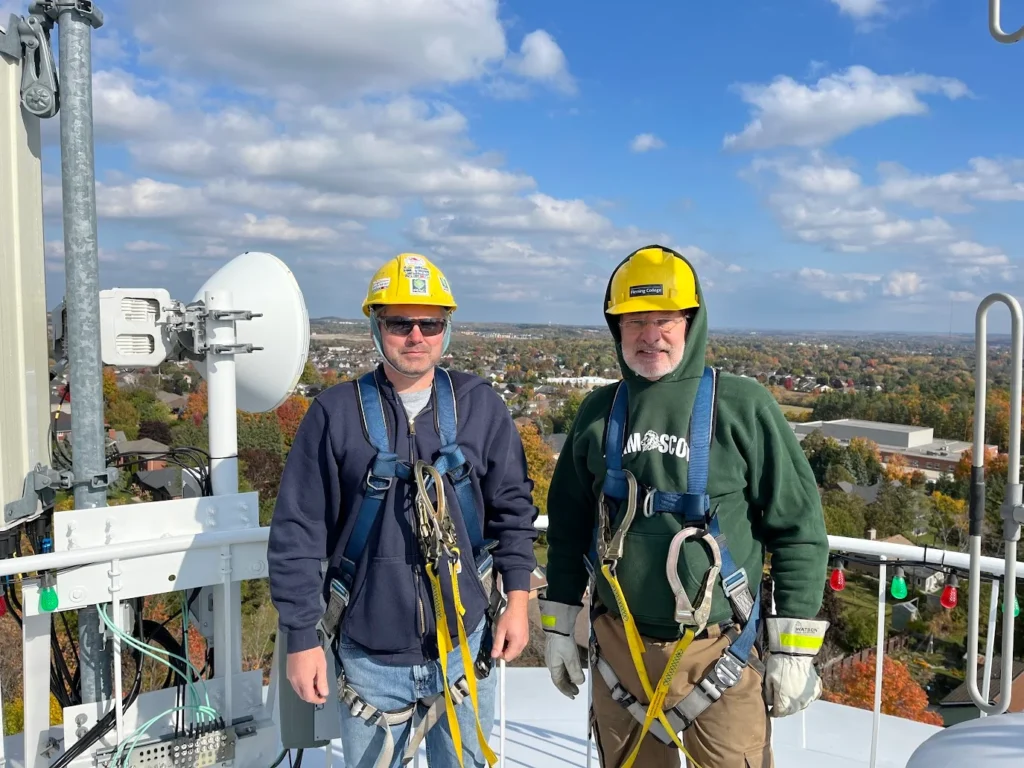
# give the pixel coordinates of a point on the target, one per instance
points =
(452, 461)
(387, 465)
(693, 506)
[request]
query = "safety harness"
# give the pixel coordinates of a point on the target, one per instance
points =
(694, 507)
(435, 532)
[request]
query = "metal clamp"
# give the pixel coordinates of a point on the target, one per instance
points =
(54, 8)
(28, 39)
(40, 486)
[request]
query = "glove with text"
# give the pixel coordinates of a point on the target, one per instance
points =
(561, 653)
(791, 682)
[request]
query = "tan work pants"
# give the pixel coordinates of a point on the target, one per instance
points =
(734, 732)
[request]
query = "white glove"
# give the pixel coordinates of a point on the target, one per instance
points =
(791, 682)
(561, 653)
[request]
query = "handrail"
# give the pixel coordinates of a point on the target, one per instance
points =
(128, 550)
(993, 566)
(995, 26)
(1011, 508)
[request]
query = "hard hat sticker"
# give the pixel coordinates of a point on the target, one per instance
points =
(414, 261)
(417, 273)
(418, 286)
(646, 290)
(380, 285)
(444, 285)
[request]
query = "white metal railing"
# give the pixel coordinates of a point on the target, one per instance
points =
(117, 555)
(910, 555)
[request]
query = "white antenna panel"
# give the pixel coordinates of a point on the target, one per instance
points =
(25, 374)
(262, 283)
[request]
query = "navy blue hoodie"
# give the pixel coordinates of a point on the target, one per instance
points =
(391, 609)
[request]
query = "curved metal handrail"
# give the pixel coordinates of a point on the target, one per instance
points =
(995, 26)
(1011, 502)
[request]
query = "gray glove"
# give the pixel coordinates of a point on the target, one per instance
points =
(561, 653)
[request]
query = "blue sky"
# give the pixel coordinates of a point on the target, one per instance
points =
(827, 164)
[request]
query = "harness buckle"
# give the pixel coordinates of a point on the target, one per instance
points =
(728, 670)
(734, 582)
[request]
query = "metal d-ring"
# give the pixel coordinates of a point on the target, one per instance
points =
(649, 503)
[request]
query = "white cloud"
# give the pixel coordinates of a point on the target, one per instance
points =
(861, 9)
(145, 246)
(121, 110)
(322, 52)
(540, 58)
(786, 112)
(645, 142)
(903, 284)
(986, 180)
(824, 201)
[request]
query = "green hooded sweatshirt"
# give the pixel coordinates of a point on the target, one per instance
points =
(759, 480)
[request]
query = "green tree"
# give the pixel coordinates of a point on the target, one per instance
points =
(893, 511)
(310, 375)
(122, 416)
(260, 431)
(844, 514)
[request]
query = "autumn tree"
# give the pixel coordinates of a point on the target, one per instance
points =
(289, 416)
(110, 389)
(854, 686)
(198, 405)
(948, 521)
(540, 463)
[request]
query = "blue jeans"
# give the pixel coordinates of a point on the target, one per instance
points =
(389, 688)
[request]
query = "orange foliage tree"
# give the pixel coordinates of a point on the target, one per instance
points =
(854, 686)
(540, 463)
(289, 416)
(198, 405)
(896, 468)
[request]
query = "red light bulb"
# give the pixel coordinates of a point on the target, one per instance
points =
(837, 580)
(949, 596)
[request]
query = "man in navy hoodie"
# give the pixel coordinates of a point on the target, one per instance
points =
(381, 581)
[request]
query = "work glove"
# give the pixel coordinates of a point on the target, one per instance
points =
(560, 652)
(791, 682)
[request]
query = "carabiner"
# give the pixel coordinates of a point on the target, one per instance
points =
(686, 614)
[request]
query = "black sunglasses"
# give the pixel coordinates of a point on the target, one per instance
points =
(402, 326)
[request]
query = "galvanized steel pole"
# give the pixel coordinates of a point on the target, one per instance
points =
(75, 22)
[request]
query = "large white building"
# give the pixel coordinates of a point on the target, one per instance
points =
(916, 444)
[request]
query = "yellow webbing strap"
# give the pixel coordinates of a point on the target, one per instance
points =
(656, 698)
(467, 665)
(444, 647)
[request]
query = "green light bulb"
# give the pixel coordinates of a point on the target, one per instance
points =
(899, 585)
(48, 600)
(48, 593)
(1016, 607)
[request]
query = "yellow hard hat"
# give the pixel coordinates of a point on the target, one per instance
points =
(409, 278)
(652, 279)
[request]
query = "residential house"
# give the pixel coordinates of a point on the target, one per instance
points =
(958, 707)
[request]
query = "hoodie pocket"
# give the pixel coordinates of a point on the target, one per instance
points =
(387, 611)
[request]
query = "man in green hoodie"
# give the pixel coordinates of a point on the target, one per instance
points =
(671, 487)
